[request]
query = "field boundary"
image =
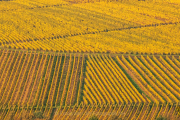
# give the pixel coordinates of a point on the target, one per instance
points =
(81, 106)
(87, 53)
(44, 6)
(93, 32)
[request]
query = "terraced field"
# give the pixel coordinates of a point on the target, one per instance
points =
(70, 60)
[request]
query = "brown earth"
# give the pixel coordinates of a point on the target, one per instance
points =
(66, 76)
(61, 83)
(37, 81)
(77, 80)
(135, 77)
(71, 83)
(54, 82)
(28, 82)
(6, 73)
(11, 79)
(16, 96)
(47, 75)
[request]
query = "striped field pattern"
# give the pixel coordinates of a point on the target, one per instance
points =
(74, 86)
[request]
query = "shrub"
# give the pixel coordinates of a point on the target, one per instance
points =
(93, 118)
(115, 117)
(38, 114)
(161, 118)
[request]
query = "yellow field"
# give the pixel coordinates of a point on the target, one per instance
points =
(71, 59)
(115, 27)
(135, 40)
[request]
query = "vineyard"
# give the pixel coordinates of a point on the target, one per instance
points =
(75, 86)
(74, 59)
(149, 27)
